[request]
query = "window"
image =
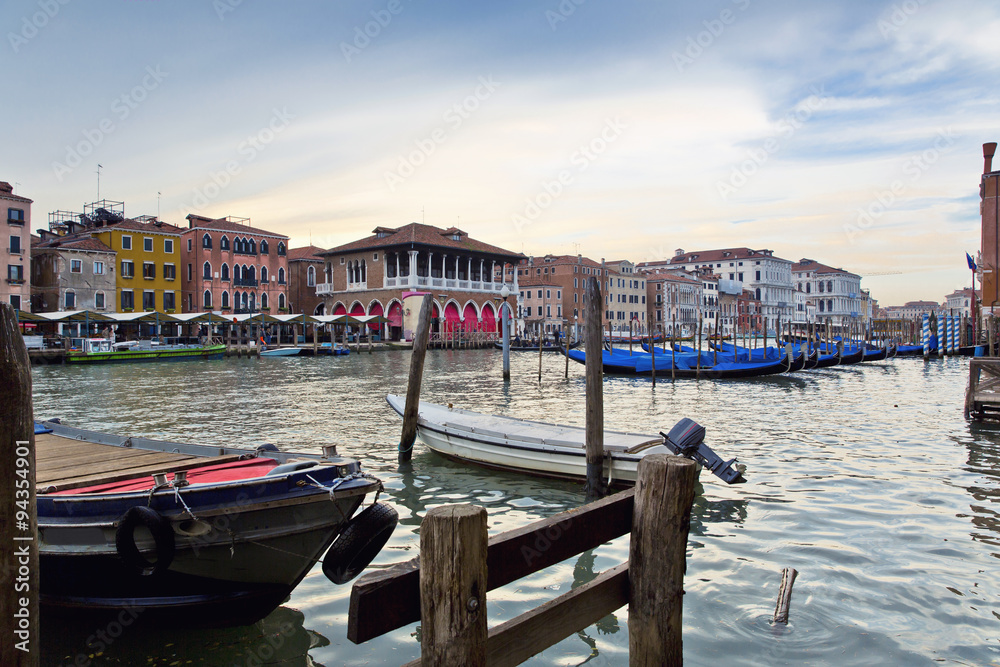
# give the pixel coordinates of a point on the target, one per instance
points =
(207, 299)
(263, 247)
(225, 300)
(148, 270)
(147, 244)
(189, 245)
(98, 268)
(15, 245)
(206, 271)
(311, 276)
(263, 274)
(189, 272)
(148, 300)
(169, 272)
(99, 300)
(548, 294)
(70, 300)
(281, 301)
(15, 216)
(128, 300)
(128, 268)
(168, 301)
(168, 246)
(15, 273)
(539, 294)
(224, 243)
(225, 271)
(281, 249)
(527, 311)
(76, 266)
(126, 242)
(206, 241)
(263, 300)
(281, 276)
(375, 257)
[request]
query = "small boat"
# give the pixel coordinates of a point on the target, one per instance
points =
(527, 347)
(194, 534)
(102, 350)
(281, 352)
(334, 348)
(689, 365)
(553, 450)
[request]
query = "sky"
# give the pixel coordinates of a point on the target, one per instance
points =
(847, 132)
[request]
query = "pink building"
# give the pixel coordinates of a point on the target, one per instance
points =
(16, 288)
(230, 266)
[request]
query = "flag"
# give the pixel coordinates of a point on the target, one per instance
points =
(972, 262)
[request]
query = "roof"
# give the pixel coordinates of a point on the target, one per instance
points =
(305, 253)
(672, 277)
(7, 192)
(136, 226)
(83, 242)
(419, 234)
(723, 255)
(816, 267)
(559, 260)
(224, 225)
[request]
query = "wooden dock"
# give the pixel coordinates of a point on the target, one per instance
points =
(65, 463)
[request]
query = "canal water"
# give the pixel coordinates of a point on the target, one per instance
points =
(866, 479)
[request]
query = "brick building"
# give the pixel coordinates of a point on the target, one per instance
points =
(16, 287)
(305, 268)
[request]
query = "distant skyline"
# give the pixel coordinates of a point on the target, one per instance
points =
(847, 132)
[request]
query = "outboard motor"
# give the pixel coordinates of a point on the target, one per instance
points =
(686, 439)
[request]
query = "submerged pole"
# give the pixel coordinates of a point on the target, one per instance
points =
(594, 487)
(505, 333)
(409, 434)
(19, 625)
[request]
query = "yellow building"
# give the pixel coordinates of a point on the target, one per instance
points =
(147, 271)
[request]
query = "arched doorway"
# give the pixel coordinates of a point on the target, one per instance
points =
(452, 320)
(471, 322)
(395, 318)
(489, 318)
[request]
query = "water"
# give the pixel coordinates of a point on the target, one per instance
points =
(866, 479)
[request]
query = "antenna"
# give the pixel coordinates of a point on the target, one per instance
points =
(15, 186)
(158, 204)
(99, 167)
(422, 219)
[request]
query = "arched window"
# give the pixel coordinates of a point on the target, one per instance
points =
(206, 271)
(225, 271)
(263, 274)
(263, 247)
(829, 286)
(208, 298)
(224, 243)
(364, 271)
(281, 276)
(225, 299)
(281, 248)
(252, 273)
(281, 301)
(263, 300)
(311, 276)
(757, 294)
(206, 241)
(253, 247)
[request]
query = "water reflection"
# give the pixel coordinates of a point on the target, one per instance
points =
(583, 573)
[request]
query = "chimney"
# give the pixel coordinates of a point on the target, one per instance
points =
(988, 151)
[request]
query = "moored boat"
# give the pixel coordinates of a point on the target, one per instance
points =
(102, 350)
(281, 352)
(553, 450)
(193, 534)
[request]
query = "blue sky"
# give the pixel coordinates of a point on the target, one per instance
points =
(846, 132)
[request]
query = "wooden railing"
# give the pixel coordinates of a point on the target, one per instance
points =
(446, 589)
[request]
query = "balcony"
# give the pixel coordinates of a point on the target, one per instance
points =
(15, 251)
(244, 282)
(15, 221)
(323, 289)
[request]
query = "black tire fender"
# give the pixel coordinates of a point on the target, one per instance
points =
(359, 542)
(163, 536)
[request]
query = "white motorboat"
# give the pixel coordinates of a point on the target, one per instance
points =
(552, 450)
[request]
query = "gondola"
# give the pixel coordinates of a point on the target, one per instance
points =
(534, 348)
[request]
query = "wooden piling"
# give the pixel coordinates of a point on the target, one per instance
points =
(540, 338)
(718, 340)
(594, 487)
(409, 434)
(661, 519)
(652, 342)
(316, 340)
(697, 372)
(453, 590)
(784, 595)
(673, 347)
(19, 622)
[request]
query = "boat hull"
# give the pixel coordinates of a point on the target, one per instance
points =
(171, 354)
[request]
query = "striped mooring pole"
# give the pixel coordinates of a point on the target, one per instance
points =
(951, 335)
(940, 335)
(926, 336)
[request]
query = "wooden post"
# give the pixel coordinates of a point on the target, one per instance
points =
(652, 342)
(19, 635)
(697, 371)
(316, 340)
(505, 332)
(664, 493)
(630, 334)
(409, 434)
(540, 353)
(566, 343)
(784, 595)
(673, 347)
(594, 487)
(718, 339)
(453, 545)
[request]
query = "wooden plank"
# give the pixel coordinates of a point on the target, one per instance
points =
(386, 600)
(532, 632)
(141, 471)
(115, 465)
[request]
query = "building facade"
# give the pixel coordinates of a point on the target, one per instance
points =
(376, 275)
(16, 287)
(835, 293)
(72, 273)
(676, 298)
(960, 302)
(233, 267)
(305, 268)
